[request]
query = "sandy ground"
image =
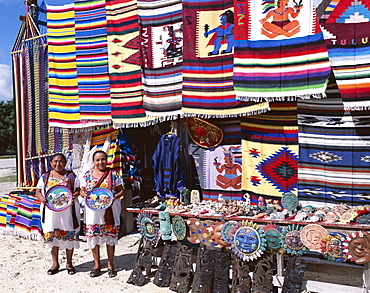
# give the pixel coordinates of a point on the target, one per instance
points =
(23, 263)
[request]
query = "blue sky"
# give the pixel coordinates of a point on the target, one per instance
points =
(9, 27)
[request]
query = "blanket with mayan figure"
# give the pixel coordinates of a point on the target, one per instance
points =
(334, 147)
(270, 151)
(346, 27)
(280, 52)
(208, 32)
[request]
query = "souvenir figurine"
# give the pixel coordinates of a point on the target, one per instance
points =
(357, 247)
(294, 272)
(221, 272)
(263, 275)
(331, 247)
(312, 235)
(241, 280)
(290, 240)
(165, 225)
(163, 275)
(248, 240)
(203, 276)
(180, 279)
(272, 236)
(195, 196)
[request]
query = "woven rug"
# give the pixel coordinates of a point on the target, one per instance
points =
(64, 107)
(162, 42)
(346, 26)
(334, 152)
(280, 52)
(208, 62)
(92, 61)
(270, 151)
(125, 64)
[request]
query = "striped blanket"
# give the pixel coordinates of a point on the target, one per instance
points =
(279, 51)
(162, 41)
(124, 64)
(92, 61)
(208, 61)
(20, 216)
(346, 26)
(270, 151)
(334, 146)
(64, 106)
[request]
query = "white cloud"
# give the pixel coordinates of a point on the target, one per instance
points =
(6, 91)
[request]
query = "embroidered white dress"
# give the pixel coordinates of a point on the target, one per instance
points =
(96, 230)
(58, 226)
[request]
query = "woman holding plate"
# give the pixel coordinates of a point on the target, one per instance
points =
(57, 190)
(102, 218)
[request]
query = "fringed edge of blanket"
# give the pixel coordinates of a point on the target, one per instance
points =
(209, 116)
(80, 127)
(17, 233)
(281, 99)
(349, 108)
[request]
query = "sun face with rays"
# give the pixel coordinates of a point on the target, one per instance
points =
(291, 241)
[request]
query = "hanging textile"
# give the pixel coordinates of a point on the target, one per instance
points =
(279, 51)
(64, 107)
(167, 166)
(334, 147)
(208, 62)
(346, 26)
(270, 151)
(92, 61)
(162, 41)
(125, 64)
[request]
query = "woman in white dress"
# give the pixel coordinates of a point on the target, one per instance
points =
(102, 226)
(61, 228)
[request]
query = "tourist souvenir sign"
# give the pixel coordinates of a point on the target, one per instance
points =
(99, 199)
(290, 240)
(179, 227)
(58, 198)
(289, 201)
(248, 240)
(148, 227)
(312, 236)
(332, 247)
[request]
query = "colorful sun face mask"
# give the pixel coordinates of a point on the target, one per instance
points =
(272, 236)
(332, 247)
(357, 247)
(291, 240)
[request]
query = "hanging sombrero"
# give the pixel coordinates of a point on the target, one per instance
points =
(203, 133)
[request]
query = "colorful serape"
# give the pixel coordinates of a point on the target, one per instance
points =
(208, 61)
(92, 60)
(270, 151)
(99, 135)
(64, 107)
(162, 41)
(20, 216)
(279, 51)
(125, 64)
(334, 160)
(346, 27)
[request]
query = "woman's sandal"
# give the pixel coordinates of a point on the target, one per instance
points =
(95, 273)
(71, 271)
(52, 271)
(112, 273)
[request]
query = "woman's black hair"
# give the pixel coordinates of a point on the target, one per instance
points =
(100, 152)
(59, 155)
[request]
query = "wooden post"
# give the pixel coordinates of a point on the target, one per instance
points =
(127, 219)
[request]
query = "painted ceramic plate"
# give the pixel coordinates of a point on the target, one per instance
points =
(148, 227)
(179, 227)
(58, 198)
(99, 199)
(225, 230)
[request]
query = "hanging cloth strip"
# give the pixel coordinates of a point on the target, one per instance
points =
(208, 62)
(280, 52)
(92, 61)
(162, 42)
(346, 27)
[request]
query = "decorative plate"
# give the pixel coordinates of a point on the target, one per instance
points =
(248, 240)
(99, 199)
(148, 227)
(58, 198)
(205, 233)
(289, 201)
(291, 240)
(192, 234)
(179, 227)
(332, 247)
(312, 236)
(348, 216)
(225, 230)
(204, 133)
